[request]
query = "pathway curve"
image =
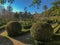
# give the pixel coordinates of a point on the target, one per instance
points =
(25, 39)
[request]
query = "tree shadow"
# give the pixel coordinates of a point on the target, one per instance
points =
(5, 41)
(26, 39)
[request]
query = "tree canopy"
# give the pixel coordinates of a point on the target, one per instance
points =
(11, 1)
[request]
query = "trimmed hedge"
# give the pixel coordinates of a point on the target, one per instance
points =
(13, 28)
(41, 31)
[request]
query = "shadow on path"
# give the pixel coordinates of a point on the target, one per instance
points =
(5, 41)
(26, 39)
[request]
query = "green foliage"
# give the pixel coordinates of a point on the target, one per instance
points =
(42, 31)
(56, 3)
(26, 24)
(13, 28)
(4, 1)
(58, 22)
(16, 15)
(1, 24)
(45, 7)
(9, 8)
(36, 1)
(49, 21)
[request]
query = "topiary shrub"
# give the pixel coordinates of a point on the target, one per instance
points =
(13, 28)
(41, 31)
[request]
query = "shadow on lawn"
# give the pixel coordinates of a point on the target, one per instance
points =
(5, 41)
(26, 38)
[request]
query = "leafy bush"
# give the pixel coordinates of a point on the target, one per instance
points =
(13, 28)
(41, 31)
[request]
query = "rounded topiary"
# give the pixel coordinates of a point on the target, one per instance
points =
(41, 31)
(13, 28)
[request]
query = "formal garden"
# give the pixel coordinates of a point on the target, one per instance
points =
(24, 28)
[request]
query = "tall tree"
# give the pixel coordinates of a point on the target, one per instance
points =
(11, 1)
(4, 1)
(34, 2)
(21, 15)
(45, 7)
(16, 16)
(9, 8)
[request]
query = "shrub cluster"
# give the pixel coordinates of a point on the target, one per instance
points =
(41, 31)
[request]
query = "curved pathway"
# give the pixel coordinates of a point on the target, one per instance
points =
(25, 39)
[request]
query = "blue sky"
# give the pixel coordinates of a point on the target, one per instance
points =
(19, 5)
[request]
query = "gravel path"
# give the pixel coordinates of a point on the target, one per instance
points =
(25, 39)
